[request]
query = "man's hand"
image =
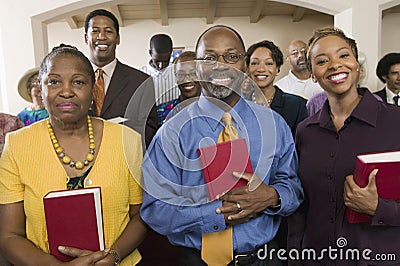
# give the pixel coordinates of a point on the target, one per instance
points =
(364, 200)
(241, 204)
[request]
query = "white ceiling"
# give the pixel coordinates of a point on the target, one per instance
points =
(163, 10)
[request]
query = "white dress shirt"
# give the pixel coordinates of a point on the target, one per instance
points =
(389, 96)
(108, 71)
(165, 86)
(304, 88)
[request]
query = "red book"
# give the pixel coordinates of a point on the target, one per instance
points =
(74, 219)
(219, 161)
(387, 178)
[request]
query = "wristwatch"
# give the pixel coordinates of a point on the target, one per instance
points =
(115, 256)
(276, 206)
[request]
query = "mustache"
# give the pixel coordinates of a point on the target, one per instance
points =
(300, 61)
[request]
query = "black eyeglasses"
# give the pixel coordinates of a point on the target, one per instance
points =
(230, 58)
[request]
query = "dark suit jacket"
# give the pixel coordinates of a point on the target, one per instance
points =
(129, 96)
(291, 107)
(124, 82)
(382, 94)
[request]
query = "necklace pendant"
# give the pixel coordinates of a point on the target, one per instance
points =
(79, 165)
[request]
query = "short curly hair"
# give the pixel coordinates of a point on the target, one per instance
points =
(101, 12)
(383, 67)
(161, 43)
(325, 32)
(277, 55)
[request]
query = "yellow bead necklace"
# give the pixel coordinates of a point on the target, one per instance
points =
(65, 158)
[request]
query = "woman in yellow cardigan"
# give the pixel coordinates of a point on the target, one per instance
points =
(67, 151)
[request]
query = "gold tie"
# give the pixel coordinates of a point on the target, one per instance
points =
(217, 247)
(229, 132)
(98, 92)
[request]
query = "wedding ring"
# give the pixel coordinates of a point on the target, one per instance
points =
(238, 206)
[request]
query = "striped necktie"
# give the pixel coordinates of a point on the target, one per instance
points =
(98, 92)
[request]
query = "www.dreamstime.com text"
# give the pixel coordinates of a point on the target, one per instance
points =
(341, 253)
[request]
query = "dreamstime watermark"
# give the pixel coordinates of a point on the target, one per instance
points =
(341, 253)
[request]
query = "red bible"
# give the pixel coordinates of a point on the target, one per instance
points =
(74, 219)
(218, 163)
(387, 179)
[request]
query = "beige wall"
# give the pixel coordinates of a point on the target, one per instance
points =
(390, 37)
(390, 34)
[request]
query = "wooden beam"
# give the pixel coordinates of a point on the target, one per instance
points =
(298, 14)
(164, 12)
(72, 22)
(40, 39)
(115, 10)
(212, 7)
(256, 11)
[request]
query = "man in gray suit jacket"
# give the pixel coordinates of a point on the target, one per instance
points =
(121, 82)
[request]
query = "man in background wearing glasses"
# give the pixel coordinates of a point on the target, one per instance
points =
(238, 226)
(298, 81)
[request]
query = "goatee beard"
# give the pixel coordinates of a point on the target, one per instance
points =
(220, 92)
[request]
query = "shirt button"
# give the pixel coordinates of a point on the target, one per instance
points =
(215, 227)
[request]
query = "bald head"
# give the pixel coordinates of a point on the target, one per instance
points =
(295, 44)
(223, 49)
(296, 56)
(220, 28)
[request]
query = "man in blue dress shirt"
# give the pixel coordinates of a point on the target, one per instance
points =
(176, 202)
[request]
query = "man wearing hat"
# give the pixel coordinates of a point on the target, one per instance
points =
(29, 89)
(388, 71)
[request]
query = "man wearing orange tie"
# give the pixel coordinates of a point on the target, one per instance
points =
(117, 83)
(236, 228)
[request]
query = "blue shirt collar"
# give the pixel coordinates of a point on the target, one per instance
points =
(209, 109)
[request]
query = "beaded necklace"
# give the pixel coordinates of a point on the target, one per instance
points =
(65, 158)
(262, 102)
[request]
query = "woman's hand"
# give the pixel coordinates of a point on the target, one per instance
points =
(364, 200)
(86, 257)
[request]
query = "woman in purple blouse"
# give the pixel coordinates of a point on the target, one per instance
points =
(351, 122)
